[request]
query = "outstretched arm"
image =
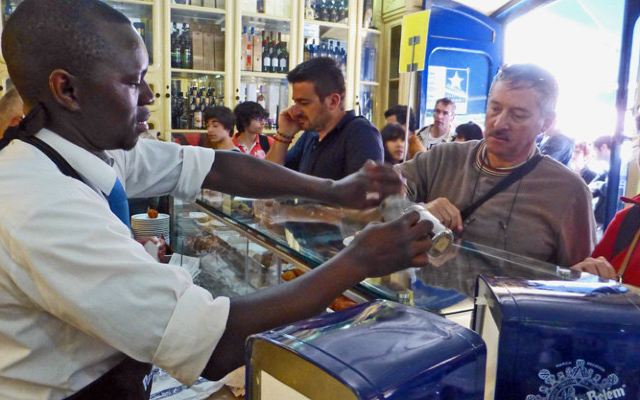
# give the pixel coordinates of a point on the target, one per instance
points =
(376, 251)
(243, 175)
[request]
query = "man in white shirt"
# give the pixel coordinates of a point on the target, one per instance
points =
(440, 131)
(84, 309)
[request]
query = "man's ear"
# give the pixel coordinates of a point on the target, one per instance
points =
(333, 101)
(62, 86)
(548, 121)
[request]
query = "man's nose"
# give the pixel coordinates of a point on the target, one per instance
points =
(145, 97)
(500, 121)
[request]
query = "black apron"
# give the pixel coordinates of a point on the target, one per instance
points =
(129, 380)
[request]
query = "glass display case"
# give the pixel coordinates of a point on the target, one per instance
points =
(273, 236)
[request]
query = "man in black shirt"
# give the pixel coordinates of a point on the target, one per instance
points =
(335, 142)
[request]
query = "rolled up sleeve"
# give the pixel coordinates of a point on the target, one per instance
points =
(196, 326)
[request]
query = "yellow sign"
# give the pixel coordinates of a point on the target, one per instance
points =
(413, 45)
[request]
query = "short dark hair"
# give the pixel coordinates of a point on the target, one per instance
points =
(392, 132)
(469, 131)
(323, 72)
(221, 114)
(43, 35)
(519, 76)
(603, 140)
(445, 101)
(247, 111)
(400, 113)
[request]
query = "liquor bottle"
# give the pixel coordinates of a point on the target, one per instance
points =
(176, 47)
(284, 58)
(248, 66)
(334, 15)
(187, 55)
(266, 55)
(197, 114)
(331, 51)
(321, 10)
(343, 9)
(343, 61)
(257, 52)
(310, 9)
(261, 100)
(322, 52)
(8, 9)
(306, 51)
(243, 46)
(260, 6)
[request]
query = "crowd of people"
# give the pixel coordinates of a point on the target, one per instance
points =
(71, 162)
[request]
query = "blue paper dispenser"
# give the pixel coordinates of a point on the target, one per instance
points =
(559, 340)
(377, 350)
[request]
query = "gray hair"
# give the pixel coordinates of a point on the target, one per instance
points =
(524, 76)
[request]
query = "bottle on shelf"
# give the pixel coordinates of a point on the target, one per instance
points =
(306, 50)
(266, 54)
(176, 47)
(260, 99)
(309, 9)
(284, 58)
(260, 6)
(197, 114)
(187, 50)
(243, 46)
(257, 51)
(248, 49)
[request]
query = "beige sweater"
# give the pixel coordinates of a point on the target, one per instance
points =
(546, 216)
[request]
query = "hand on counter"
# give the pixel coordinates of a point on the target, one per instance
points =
(446, 212)
(596, 266)
(381, 249)
(367, 187)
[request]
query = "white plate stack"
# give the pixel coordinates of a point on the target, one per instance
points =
(143, 226)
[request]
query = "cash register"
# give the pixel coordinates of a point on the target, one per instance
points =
(376, 350)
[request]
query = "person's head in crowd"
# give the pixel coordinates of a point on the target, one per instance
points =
(11, 110)
(468, 131)
(602, 147)
(250, 118)
(398, 115)
(521, 105)
(444, 113)
(318, 90)
(219, 121)
(580, 157)
(393, 141)
(94, 95)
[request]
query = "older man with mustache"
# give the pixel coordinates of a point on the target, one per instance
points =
(544, 212)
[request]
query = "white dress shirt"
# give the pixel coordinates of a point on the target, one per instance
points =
(76, 292)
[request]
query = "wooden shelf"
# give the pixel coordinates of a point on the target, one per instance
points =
(266, 16)
(195, 72)
(327, 24)
(263, 75)
(198, 9)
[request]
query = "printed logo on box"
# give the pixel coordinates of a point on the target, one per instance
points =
(582, 381)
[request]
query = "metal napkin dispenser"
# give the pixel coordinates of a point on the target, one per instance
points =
(559, 340)
(377, 350)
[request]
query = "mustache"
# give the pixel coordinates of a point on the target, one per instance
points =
(498, 134)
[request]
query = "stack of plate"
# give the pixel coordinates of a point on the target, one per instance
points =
(143, 226)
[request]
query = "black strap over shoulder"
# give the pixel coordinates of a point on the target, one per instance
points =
(628, 228)
(509, 180)
(264, 143)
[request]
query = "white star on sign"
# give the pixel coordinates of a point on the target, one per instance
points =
(456, 81)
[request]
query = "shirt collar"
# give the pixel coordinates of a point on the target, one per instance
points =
(95, 170)
(348, 117)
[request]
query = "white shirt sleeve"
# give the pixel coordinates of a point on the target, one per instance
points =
(153, 168)
(79, 263)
